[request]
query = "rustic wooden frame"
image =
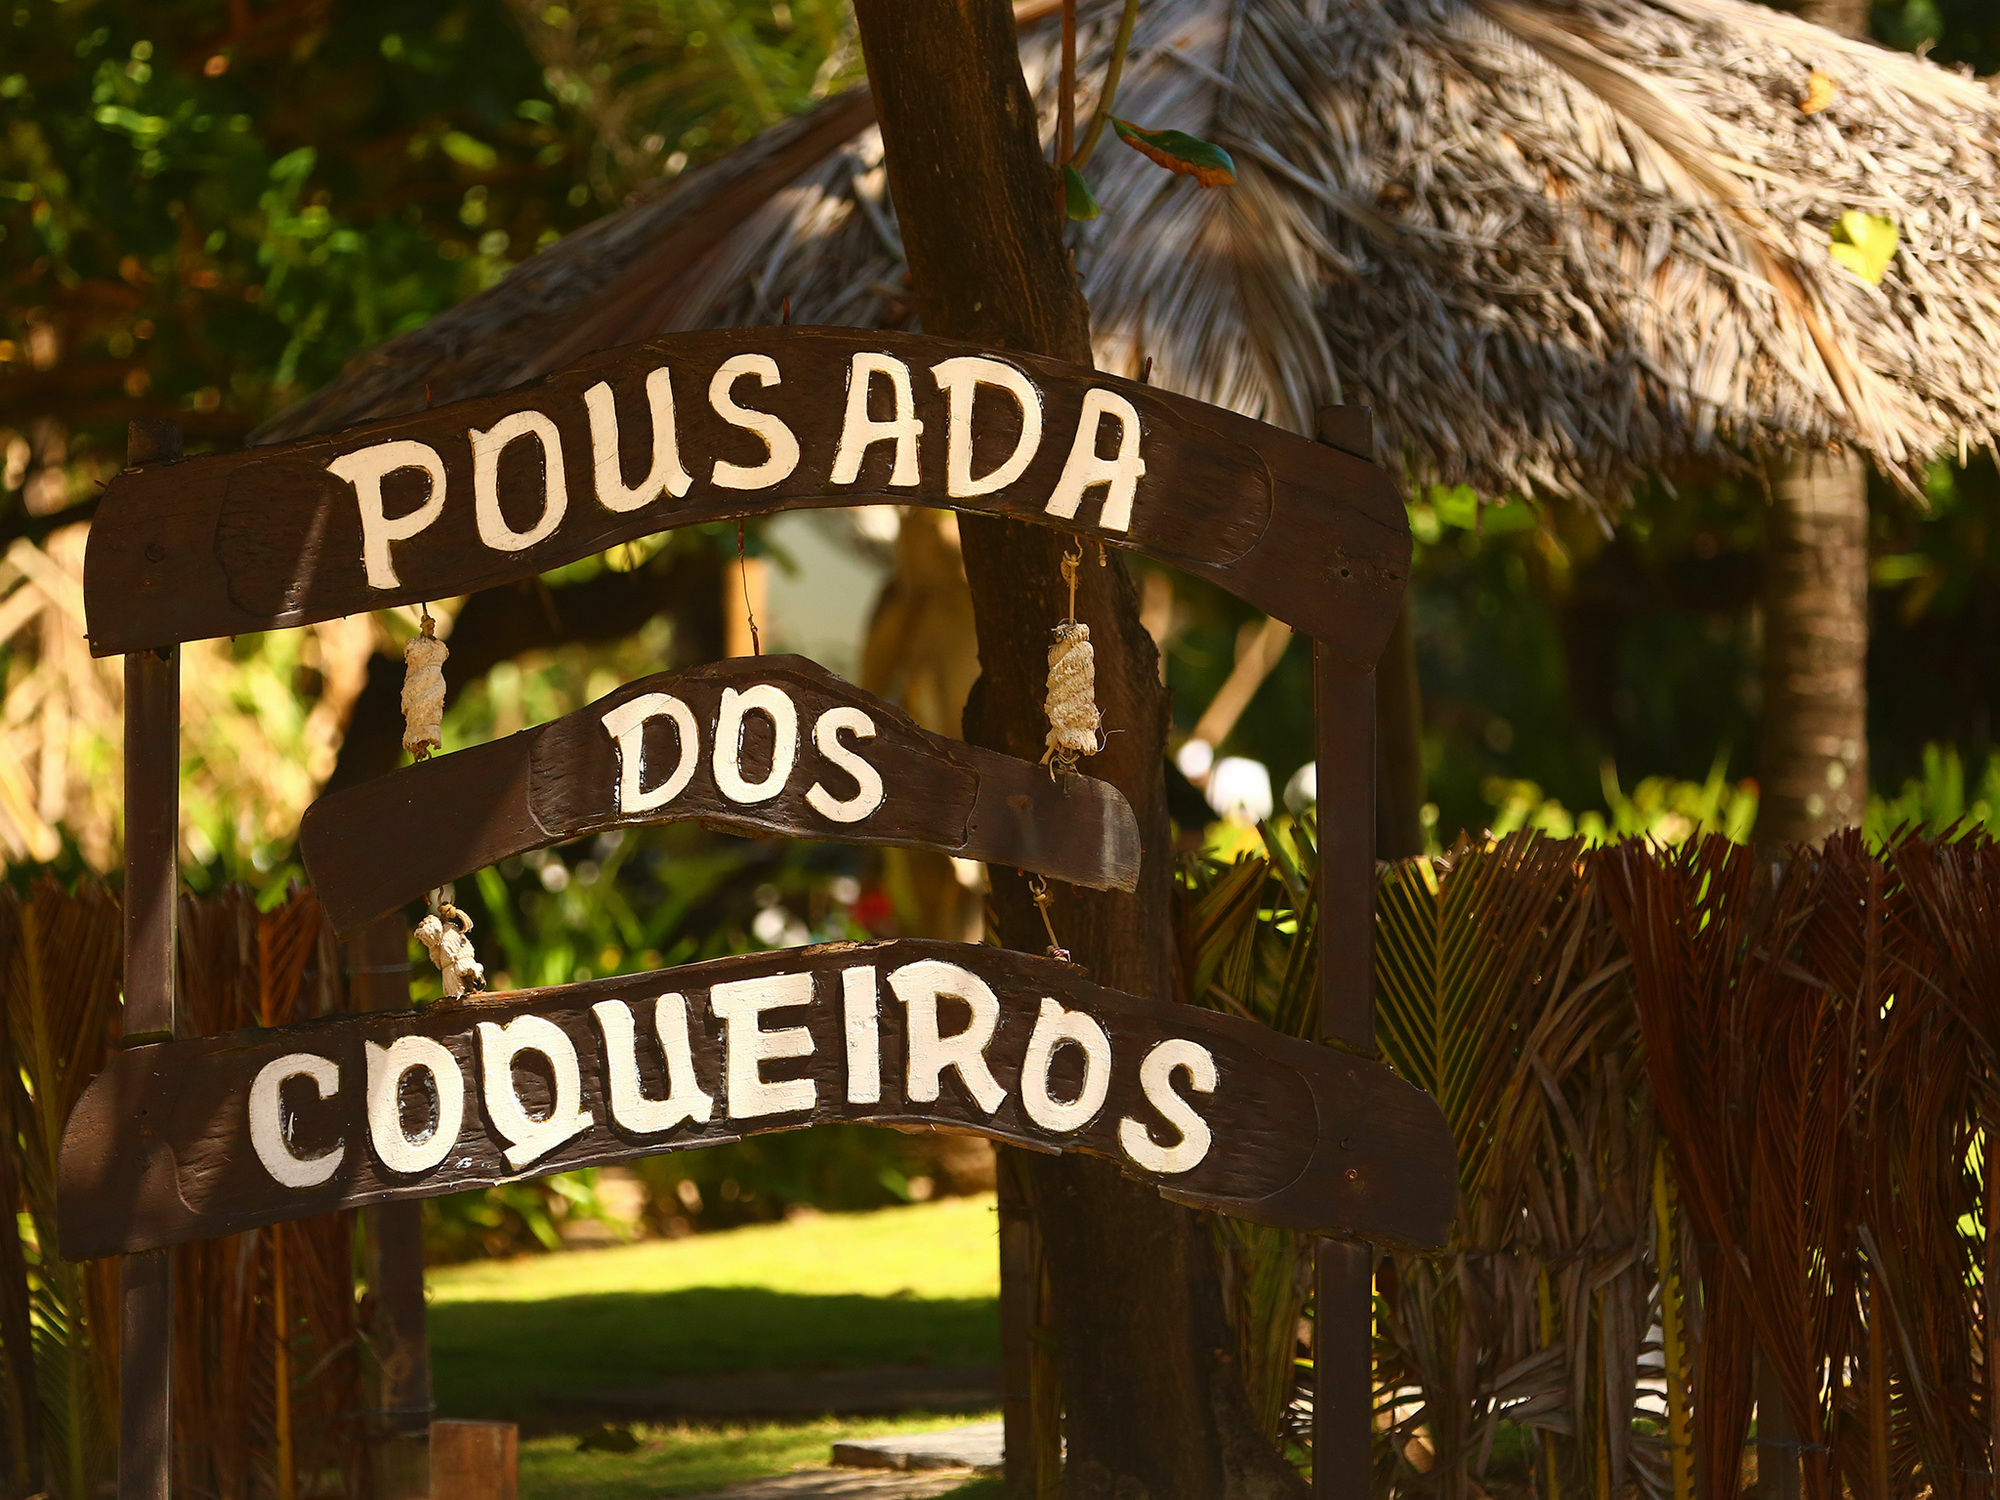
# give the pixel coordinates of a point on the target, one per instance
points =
(1318, 538)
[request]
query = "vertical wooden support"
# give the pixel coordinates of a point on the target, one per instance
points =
(397, 1327)
(1343, 1271)
(1017, 1325)
(152, 891)
(475, 1460)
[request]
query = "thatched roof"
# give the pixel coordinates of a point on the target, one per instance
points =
(1554, 243)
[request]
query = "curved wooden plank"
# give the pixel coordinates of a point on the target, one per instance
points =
(761, 421)
(370, 848)
(181, 1141)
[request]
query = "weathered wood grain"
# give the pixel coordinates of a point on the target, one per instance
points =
(160, 1150)
(231, 543)
(372, 847)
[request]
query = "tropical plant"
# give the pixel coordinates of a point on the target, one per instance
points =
(59, 975)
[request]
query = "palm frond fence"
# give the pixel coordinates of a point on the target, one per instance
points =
(1723, 1128)
(268, 1362)
(1722, 1125)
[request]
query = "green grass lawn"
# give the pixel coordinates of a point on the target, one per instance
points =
(900, 1286)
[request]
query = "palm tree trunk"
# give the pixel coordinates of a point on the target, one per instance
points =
(1813, 761)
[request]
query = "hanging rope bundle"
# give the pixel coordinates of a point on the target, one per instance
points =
(423, 691)
(444, 929)
(1072, 696)
(443, 934)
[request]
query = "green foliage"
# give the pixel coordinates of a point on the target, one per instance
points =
(205, 214)
(1957, 33)
(511, 1218)
(830, 1168)
(665, 84)
(1078, 200)
(1659, 808)
(1938, 799)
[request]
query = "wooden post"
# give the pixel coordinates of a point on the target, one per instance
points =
(475, 1461)
(1344, 1271)
(397, 1327)
(1018, 1287)
(152, 891)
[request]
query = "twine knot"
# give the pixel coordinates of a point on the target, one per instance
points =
(423, 691)
(443, 934)
(1072, 698)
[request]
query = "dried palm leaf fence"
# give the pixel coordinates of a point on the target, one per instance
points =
(1722, 1127)
(1715, 1116)
(267, 1378)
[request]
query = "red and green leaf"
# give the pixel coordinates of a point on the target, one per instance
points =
(1177, 151)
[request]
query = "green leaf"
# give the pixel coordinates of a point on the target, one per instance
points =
(1077, 197)
(1177, 151)
(1865, 244)
(1459, 505)
(468, 151)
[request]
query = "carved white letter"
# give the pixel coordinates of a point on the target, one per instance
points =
(666, 475)
(1053, 1027)
(960, 380)
(386, 1067)
(864, 1035)
(739, 1004)
(1156, 1077)
(626, 724)
(919, 986)
(858, 430)
(267, 1119)
(365, 469)
(867, 780)
(778, 439)
(771, 700)
(630, 1107)
(1085, 468)
(486, 449)
(530, 1139)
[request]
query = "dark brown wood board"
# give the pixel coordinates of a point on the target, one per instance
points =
(165, 1145)
(372, 847)
(763, 420)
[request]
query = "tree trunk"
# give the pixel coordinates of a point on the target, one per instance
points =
(1813, 761)
(1813, 757)
(1153, 1406)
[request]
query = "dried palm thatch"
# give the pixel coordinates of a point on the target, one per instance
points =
(1554, 243)
(267, 1372)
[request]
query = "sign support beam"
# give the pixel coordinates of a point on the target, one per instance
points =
(152, 891)
(1344, 1270)
(399, 1426)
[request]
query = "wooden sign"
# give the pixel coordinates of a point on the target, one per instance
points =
(707, 426)
(192, 1139)
(767, 744)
